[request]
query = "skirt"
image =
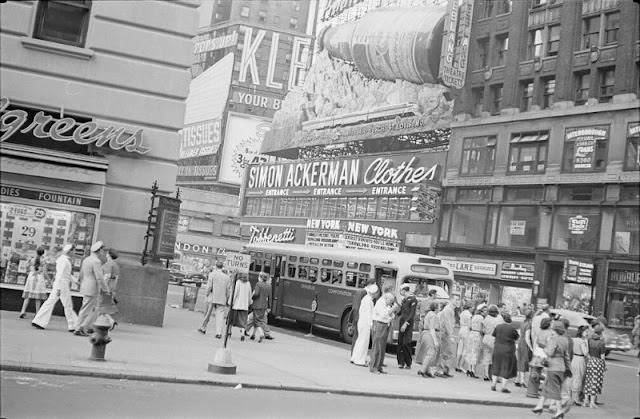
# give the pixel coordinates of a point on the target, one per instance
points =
(503, 362)
(594, 376)
(553, 385)
(487, 349)
(421, 350)
(524, 356)
(239, 318)
(260, 317)
(472, 347)
(35, 286)
(106, 304)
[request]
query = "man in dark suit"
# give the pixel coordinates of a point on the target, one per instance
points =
(405, 323)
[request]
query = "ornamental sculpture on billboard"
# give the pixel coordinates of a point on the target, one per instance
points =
(386, 73)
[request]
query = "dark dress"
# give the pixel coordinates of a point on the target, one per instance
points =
(504, 363)
(524, 352)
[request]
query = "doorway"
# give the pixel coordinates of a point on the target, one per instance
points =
(553, 283)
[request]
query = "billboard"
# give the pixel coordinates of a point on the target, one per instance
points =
(243, 139)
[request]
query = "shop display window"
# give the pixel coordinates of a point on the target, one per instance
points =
(576, 228)
(623, 297)
(627, 228)
(577, 297)
(467, 226)
(518, 226)
(25, 228)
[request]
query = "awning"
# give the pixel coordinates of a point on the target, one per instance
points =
(530, 138)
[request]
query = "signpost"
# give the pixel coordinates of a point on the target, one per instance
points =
(234, 263)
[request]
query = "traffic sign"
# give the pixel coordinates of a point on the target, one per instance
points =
(237, 262)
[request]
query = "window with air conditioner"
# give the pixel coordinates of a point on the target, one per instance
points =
(63, 22)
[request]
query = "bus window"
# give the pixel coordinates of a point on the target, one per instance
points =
(352, 265)
(258, 254)
(438, 270)
(337, 277)
(325, 275)
(314, 261)
(258, 265)
(313, 274)
(338, 263)
(267, 266)
(352, 279)
(304, 260)
(362, 280)
(252, 265)
(291, 270)
(326, 262)
(365, 267)
(388, 283)
(293, 258)
(302, 272)
(267, 256)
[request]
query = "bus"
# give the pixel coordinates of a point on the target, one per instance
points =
(301, 274)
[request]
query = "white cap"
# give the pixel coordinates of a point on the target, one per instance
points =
(67, 248)
(97, 246)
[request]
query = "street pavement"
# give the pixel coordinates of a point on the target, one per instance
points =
(177, 353)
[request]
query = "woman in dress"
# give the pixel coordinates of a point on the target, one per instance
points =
(504, 364)
(107, 297)
(595, 367)
(465, 327)
(525, 350)
(430, 340)
(365, 321)
(579, 364)
(557, 362)
(35, 287)
(473, 342)
(488, 326)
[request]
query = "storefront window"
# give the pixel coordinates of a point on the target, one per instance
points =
(524, 194)
(518, 226)
(467, 226)
(478, 156)
(585, 149)
(627, 237)
(24, 228)
(528, 153)
(623, 301)
(632, 153)
(577, 297)
(576, 228)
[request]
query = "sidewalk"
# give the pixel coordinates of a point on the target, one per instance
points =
(177, 353)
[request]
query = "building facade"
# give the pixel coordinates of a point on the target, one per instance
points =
(542, 179)
(88, 123)
(248, 55)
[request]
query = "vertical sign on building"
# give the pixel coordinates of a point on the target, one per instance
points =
(168, 219)
(455, 43)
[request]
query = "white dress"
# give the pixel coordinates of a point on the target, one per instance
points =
(365, 321)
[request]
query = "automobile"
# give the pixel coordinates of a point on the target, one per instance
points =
(613, 340)
(184, 274)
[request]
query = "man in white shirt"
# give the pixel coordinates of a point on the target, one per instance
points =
(60, 291)
(382, 315)
(535, 323)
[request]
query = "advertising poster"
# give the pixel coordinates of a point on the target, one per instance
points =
(585, 144)
(577, 271)
(517, 227)
(243, 139)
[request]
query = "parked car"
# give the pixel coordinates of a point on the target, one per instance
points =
(184, 274)
(613, 340)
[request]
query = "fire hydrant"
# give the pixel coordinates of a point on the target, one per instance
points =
(100, 338)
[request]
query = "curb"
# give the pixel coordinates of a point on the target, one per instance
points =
(195, 381)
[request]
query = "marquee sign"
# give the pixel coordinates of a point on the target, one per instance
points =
(455, 43)
(67, 129)
(374, 171)
(264, 235)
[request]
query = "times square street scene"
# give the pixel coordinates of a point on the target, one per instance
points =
(320, 208)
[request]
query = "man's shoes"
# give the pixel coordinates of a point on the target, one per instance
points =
(401, 366)
(246, 334)
(37, 326)
(425, 374)
(253, 337)
(242, 338)
(505, 390)
(381, 371)
(459, 370)
(71, 330)
(80, 333)
(201, 330)
(487, 379)
(268, 337)
(407, 367)
(22, 315)
(259, 340)
(447, 375)
(218, 336)
(493, 388)
(518, 385)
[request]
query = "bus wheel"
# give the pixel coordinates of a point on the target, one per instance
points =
(346, 328)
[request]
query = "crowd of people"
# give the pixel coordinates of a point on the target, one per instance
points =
(247, 309)
(571, 370)
(98, 281)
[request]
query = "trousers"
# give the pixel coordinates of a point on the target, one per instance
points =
(404, 347)
(379, 345)
(221, 312)
(43, 316)
(88, 312)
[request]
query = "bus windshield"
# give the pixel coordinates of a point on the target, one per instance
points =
(422, 286)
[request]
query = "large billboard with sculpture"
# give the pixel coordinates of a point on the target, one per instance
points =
(380, 69)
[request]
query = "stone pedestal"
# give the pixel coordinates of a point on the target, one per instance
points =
(141, 293)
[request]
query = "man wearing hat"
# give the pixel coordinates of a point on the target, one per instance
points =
(60, 291)
(405, 324)
(355, 311)
(91, 282)
(218, 292)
